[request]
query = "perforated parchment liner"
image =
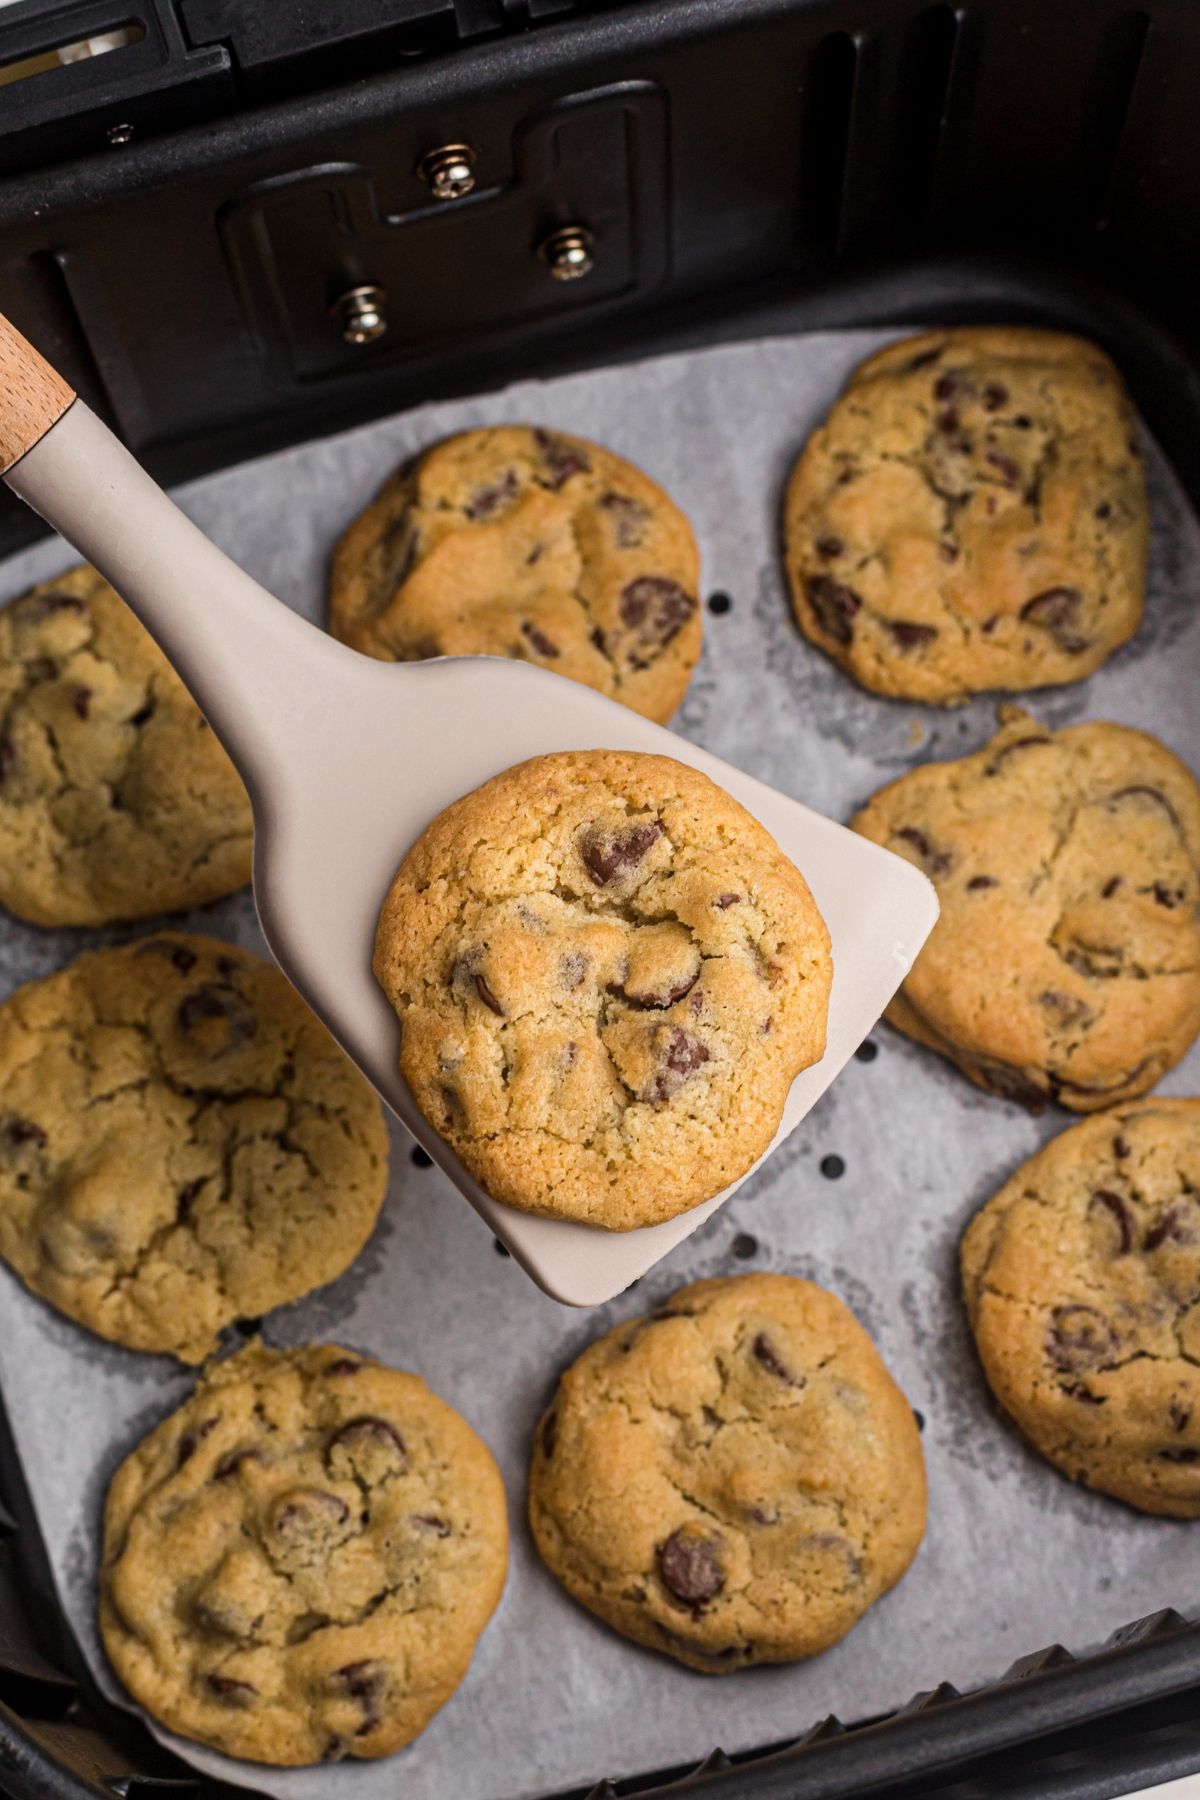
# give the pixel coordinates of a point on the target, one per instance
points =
(1015, 1556)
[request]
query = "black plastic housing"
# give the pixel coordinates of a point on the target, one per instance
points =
(178, 218)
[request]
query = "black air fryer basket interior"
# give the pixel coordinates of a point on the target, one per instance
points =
(178, 219)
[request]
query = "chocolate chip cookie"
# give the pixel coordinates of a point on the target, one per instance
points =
(518, 542)
(1082, 1284)
(608, 975)
(971, 515)
(116, 801)
(734, 1479)
(1066, 961)
(299, 1562)
(182, 1144)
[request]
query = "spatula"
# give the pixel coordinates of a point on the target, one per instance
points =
(347, 760)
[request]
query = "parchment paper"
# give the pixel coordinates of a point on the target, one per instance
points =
(1015, 1557)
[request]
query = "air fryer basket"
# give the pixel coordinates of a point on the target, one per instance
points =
(178, 222)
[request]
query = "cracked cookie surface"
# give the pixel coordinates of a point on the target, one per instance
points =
(1065, 964)
(182, 1144)
(518, 542)
(733, 1479)
(607, 975)
(116, 800)
(971, 515)
(1082, 1285)
(298, 1563)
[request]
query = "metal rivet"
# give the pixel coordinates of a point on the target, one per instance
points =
(568, 253)
(360, 313)
(120, 134)
(450, 171)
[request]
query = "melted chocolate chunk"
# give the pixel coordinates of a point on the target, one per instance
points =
(365, 1682)
(1179, 1453)
(342, 1365)
(370, 1432)
(833, 606)
(1170, 1227)
(765, 1352)
(1119, 1209)
(829, 547)
(690, 1567)
(1012, 1084)
(229, 1465)
(485, 501)
(539, 641)
(216, 1019)
(681, 1055)
(1080, 1339)
(982, 881)
(1068, 1008)
(936, 861)
(178, 955)
(909, 636)
(655, 610)
(994, 396)
(1005, 467)
(724, 901)
(1156, 798)
(648, 999)
(431, 1523)
(190, 1439)
(236, 1693)
(1018, 744)
(307, 1510)
(572, 969)
(560, 459)
(81, 700)
(486, 995)
(1057, 611)
(1110, 887)
(629, 519)
(24, 1131)
(610, 855)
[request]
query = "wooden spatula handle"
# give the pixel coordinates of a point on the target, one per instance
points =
(33, 396)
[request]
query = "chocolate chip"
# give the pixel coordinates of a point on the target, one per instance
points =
(936, 861)
(1182, 1453)
(309, 1508)
(1012, 1084)
(37, 607)
(1069, 1008)
(609, 855)
(1120, 1146)
(1056, 611)
(679, 1058)
(178, 955)
(1156, 798)
(1110, 887)
(1119, 1210)
(190, 1439)
(1009, 750)
(365, 1682)
(650, 999)
(948, 552)
(1103, 511)
(24, 1131)
(1180, 1414)
(1169, 1227)
(829, 547)
(1168, 897)
(833, 606)
(1005, 467)
(229, 1465)
(216, 1019)
(724, 901)
(144, 714)
(370, 1433)
(1022, 422)
(485, 501)
(1080, 1338)
(237, 1693)
(540, 642)
(560, 458)
(655, 610)
(571, 970)
(344, 1365)
(431, 1523)
(549, 1434)
(1075, 1390)
(949, 384)
(486, 995)
(909, 636)
(629, 519)
(690, 1567)
(81, 700)
(982, 881)
(994, 396)
(765, 1352)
